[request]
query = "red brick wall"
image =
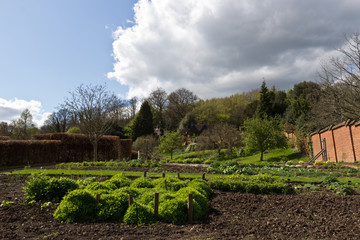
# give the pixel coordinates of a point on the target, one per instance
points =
(342, 142)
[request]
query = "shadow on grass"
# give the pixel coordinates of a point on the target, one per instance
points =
(285, 158)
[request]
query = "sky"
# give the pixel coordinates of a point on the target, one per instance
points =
(215, 48)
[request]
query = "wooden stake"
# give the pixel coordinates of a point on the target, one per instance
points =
(131, 200)
(190, 207)
(203, 176)
(178, 175)
(97, 198)
(165, 185)
(144, 173)
(156, 204)
(163, 174)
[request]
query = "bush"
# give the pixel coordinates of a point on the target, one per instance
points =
(139, 214)
(142, 182)
(112, 207)
(173, 184)
(120, 180)
(202, 186)
(40, 187)
(101, 187)
(173, 210)
(130, 190)
(77, 206)
(199, 198)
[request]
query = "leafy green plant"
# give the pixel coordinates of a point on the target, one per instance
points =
(77, 206)
(6, 203)
(172, 184)
(142, 182)
(41, 187)
(112, 207)
(139, 214)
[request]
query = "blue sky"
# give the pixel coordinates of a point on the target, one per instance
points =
(213, 48)
(49, 47)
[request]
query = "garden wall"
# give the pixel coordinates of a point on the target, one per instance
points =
(342, 141)
(62, 147)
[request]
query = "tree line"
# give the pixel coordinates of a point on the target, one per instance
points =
(308, 106)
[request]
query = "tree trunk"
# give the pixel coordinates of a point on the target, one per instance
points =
(95, 146)
(262, 155)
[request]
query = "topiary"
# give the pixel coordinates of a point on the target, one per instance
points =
(120, 180)
(101, 187)
(142, 182)
(139, 214)
(175, 210)
(77, 206)
(112, 207)
(129, 190)
(172, 184)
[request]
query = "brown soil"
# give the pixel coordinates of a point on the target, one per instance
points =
(232, 216)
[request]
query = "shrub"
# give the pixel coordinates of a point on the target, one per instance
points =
(173, 184)
(202, 186)
(173, 210)
(101, 187)
(112, 207)
(120, 180)
(83, 183)
(142, 182)
(130, 190)
(40, 187)
(77, 206)
(199, 198)
(139, 214)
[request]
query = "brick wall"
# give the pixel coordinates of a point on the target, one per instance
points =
(342, 142)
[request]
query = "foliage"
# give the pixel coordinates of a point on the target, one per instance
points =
(201, 199)
(143, 123)
(40, 187)
(263, 134)
(24, 126)
(77, 206)
(170, 142)
(147, 146)
(112, 207)
(173, 210)
(139, 214)
(258, 184)
(172, 184)
(142, 182)
(74, 130)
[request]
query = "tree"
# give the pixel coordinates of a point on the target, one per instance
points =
(265, 103)
(24, 126)
(143, 122)
(340, 79)
(95, 109)
(58, 121)
(146, 145)
(180, 103)
(262, 134)
(133, 106)
(219, 137)
(158, 100)
(170, 142)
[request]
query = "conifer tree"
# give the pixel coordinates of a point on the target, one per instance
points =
(143, 123)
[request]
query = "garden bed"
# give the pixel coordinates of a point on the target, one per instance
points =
(232, 216)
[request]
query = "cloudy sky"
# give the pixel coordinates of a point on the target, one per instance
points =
(214, 48)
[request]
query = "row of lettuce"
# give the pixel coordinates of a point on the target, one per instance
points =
(79, 203)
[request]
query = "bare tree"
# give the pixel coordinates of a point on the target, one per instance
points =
(341, 80)
(133, 102)
(180, 103)
(95, 109)
(23, 126)
(58, 121)
(158, 100)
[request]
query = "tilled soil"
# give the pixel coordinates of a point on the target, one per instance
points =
(232, 216)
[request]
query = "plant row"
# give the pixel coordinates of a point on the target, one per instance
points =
(91, 201)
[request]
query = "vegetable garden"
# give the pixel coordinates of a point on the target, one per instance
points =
(279, 198)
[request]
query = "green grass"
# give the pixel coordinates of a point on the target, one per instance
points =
(276, 155)
(101, 173)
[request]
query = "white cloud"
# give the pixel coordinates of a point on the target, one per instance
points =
(12, 109)
(221, 47)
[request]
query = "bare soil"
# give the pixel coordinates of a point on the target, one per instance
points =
(232, 216)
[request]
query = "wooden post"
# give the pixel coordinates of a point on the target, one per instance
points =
(144, 173)
(97, 198)
(190, 206)
(131, 200)
(334, 144)
(163, 174)
(165, 185)
(156, 204)
(352, 143)
(203, 176)
(178, 175)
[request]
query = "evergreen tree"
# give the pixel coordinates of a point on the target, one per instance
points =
(143, 123)
(265, 103)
